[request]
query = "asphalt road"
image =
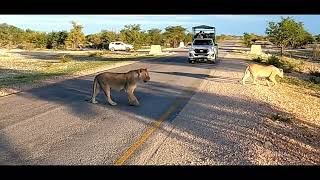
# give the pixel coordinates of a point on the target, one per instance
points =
(57, 125)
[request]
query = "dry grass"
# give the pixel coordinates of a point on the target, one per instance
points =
(21, 67)
(299, 72)
(295, 94)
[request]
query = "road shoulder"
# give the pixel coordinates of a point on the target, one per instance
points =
(226, 123)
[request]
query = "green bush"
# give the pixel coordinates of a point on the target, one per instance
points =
(257, 59)
(287, 68)
(274, 60)
(314, 79)
(283, 64)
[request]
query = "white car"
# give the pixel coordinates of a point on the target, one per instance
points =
(120, 46)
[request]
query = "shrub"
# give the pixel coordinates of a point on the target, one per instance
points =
(314, 71)
(314, 79)
(257, 59)
(315, 75)
(274, 60)
(287, 66)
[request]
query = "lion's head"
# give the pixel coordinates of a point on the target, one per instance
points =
(144, 75)
(280, 73)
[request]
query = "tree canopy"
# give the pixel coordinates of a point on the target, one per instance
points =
(287, 33)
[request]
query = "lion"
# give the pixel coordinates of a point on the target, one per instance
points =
(119, 81)
(262, 71)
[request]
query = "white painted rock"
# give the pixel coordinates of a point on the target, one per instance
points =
(155, 49)
(181, 45)
(256, 49)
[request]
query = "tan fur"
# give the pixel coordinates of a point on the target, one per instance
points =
(262, 71)
(119, 81)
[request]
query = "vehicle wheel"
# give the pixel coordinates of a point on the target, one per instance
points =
(111, 49)
(127, 49)
(211, 61)
(191, 61)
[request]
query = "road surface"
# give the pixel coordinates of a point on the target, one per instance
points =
(57, 125)
(189, 114)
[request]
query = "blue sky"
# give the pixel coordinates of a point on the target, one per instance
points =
(225, 24)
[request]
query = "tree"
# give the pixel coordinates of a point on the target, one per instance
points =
(36, 39)
(154, 36)
(76, 37)
(57, 39)
(188, 38)
(174, 34)
(250, 38)
(11, 35)
(107, 37)
(132, 35)
(317, 38)
(94, 40)
(287, 33)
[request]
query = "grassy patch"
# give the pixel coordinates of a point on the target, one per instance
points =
(314, 71)
(48, 71)
(16, 71)
(305, 83)
(26, 78)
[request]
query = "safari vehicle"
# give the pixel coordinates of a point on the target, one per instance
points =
(204, 46)
(120, 46)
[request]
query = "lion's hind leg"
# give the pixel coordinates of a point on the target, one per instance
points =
(96, 90)
(106, 89)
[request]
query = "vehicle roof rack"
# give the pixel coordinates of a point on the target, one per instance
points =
(203, 27)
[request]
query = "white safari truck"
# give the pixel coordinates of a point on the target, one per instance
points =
(204, 46)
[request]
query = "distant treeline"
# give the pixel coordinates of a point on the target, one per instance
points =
(14, 37)
(285, 33)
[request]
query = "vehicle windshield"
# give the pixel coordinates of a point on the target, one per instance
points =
(202, 42)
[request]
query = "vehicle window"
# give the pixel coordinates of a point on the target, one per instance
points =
(117, 43)
(202, 42)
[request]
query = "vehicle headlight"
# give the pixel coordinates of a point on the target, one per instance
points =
(211, 50)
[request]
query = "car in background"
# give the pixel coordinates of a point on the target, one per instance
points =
(120, 46)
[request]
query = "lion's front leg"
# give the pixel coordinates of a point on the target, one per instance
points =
(132, 98)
